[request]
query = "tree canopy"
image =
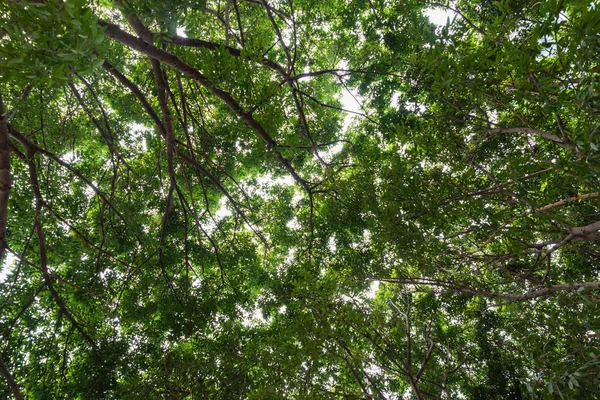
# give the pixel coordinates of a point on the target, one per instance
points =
(303, 199)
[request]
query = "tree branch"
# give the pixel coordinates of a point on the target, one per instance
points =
(21, 138)
(5, 179)
(565, 201)
(180, 154)
(10, 380)
(547, 291)
(116, 33)
(547, 135)
(39, 201)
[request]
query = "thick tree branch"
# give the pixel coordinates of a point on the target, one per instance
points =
(587, 232)
(180, 154)
(199, 43)
(178, 40)
(10, 380)
(138, 93)
(547, 135)
(116, 33)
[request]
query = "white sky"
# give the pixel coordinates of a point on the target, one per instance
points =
(7, 266)
(439, 15)
(181, 31)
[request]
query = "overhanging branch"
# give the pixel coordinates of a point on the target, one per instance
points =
(116, 33)
(546, 291)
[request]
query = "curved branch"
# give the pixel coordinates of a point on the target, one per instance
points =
(116, 33)
(137, 92)
(180, 153)
(39, 201)
(547, 135)
(204, 44)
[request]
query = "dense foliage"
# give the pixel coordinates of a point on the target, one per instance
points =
(189, 209)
